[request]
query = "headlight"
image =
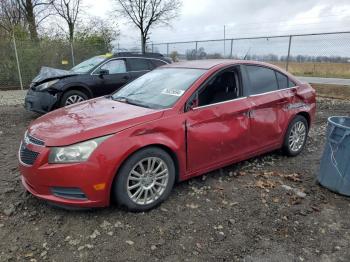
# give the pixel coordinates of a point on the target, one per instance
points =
(75, 153)
(46, 85)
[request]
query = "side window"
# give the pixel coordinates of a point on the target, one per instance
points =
(262, 79)
(139, 64)
(282, 80)
(222, 87)
(157, 63)
(114, 66)
(291, 83)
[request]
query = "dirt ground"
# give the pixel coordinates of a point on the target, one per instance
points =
(243, 212)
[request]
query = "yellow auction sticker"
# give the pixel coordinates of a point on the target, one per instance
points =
(108, 55)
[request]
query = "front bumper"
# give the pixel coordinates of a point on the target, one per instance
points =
(40, 102)
(43, 180)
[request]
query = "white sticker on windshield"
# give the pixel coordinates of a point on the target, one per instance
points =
(172, 92)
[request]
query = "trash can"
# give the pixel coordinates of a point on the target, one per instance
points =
(335, 163)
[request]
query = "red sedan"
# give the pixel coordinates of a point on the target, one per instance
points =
(174, 123)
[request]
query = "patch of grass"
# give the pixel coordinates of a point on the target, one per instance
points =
(337, 70)
(332, 91)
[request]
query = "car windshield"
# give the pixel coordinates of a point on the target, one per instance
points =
(160, 88)
(87, 65)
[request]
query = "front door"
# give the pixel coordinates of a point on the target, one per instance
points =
(217, 129)
(110, 77)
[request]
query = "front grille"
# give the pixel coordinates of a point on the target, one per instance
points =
(27, 156)
(68, 193)
(34, 140)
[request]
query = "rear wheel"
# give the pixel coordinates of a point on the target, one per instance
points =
(72, 97)
(145, 180)
(296, 136)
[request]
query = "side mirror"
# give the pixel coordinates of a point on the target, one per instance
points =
(104, 72)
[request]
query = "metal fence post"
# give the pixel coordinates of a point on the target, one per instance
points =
(167, 49)
(231, 50)
(196, 50)
(17, 60)
(288, 56)
(72, 53)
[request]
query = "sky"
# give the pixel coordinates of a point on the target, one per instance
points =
(205, 19)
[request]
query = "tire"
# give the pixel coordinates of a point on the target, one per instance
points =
(129, 189)
(298, 123)
(71, 96)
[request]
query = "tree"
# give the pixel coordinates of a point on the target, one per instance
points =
(97, 32)
(34, 11)
(194, 54)
(148, 13)
(10, 16)
(68, 10)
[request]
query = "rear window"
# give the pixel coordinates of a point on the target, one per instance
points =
(139, 64)
(262, 79)
(157, 63)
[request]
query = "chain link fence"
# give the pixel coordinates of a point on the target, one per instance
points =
(21, 60)
(315, 55)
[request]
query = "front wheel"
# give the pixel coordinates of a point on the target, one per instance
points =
(72, 97)
(145, 180)
(296, 136)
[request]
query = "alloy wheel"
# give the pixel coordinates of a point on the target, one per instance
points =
(297, 136)
(147, 180)
(74, 99)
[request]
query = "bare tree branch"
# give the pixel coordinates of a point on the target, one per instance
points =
(68, 10)
(10, 15)
(145, 14)
(34, 11)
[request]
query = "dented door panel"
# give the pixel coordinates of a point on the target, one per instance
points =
(267, 118)
(217, 133)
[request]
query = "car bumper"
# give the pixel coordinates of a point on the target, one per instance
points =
(73, 185)
(39, 102)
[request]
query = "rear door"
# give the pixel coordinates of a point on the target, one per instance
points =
(217, 129)
(108, 83)
(138, 66)
(267, 116)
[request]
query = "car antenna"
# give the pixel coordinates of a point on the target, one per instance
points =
(245, 57)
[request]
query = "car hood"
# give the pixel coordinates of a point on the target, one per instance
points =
(49, 73)
(87, 120)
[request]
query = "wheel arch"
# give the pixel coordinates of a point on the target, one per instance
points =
(165, 148)
(80, 88)
(306, 115)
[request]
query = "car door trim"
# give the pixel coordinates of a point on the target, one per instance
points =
(269, 92)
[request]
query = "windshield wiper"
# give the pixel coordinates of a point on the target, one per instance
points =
(120, 99)
(124, 99)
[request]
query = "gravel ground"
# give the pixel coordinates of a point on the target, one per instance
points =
(12, 97)
(266, 209)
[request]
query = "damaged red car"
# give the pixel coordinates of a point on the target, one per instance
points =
(176, 122)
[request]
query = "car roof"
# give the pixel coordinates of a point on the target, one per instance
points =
(210, 63)
(156, 56)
